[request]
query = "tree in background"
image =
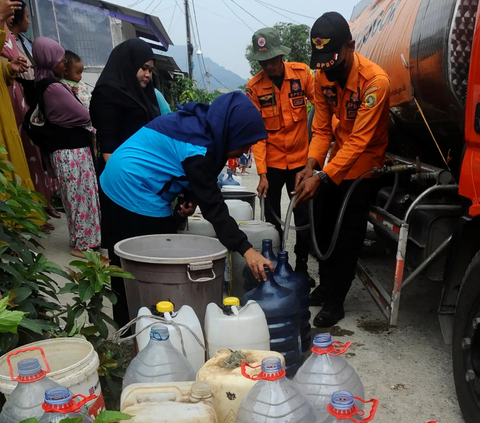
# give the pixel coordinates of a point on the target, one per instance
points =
(185, 90)
(297, 37)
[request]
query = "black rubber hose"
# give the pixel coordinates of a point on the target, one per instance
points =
(394, 191)
(277, 218)
(338, 224)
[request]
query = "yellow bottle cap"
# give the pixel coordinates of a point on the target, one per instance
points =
(164, 307)
(231, 301)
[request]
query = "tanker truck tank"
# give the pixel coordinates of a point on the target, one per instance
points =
(424, 46)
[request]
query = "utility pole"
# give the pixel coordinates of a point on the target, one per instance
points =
(189, 43)
(208, 79)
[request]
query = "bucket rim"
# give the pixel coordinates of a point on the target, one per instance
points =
(90, 363)
(170, 260)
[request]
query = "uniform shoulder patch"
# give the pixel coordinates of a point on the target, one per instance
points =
(371, 100)
(371, 90)
(249, 91)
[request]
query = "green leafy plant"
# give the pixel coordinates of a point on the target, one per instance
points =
(25, 277)
(103, 417)
(9, 319)
(184, 90)
(91, 285)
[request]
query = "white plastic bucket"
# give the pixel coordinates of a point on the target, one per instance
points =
(73, 363)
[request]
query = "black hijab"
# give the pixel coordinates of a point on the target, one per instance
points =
(120, 72)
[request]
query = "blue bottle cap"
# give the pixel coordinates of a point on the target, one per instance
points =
(29, 367)
(159, 333)
(322, 340)
(58, 395)
(342, 401)
(271, 365)
(266, 241)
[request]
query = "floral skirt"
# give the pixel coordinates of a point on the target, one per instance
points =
(75, 172)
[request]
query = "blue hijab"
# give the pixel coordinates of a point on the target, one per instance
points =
(230, 122)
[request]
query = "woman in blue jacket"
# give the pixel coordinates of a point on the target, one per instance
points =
(181, 152)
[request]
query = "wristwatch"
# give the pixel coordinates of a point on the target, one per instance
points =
(324, 179)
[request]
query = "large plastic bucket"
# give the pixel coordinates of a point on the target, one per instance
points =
(183, 269)
(73, 363)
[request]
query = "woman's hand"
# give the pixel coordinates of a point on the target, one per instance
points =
(256, 262)
(19, 64)
(187, 210)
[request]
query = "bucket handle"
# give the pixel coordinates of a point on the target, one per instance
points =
(22, 350)
(201, 265)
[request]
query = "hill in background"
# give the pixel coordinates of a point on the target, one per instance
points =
(228, 78)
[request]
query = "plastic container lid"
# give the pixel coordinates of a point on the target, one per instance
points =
(165, 307)
(159, 333)
(231, 301)
(201, 390)
(29, 367)
(322, 340)
(58, 395)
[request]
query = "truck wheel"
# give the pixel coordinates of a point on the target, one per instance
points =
(466, 343)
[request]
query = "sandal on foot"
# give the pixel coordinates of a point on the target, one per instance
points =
(53, 213)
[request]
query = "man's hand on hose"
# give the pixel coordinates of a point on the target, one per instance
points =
(262, 187)
(305, 173)
(256, 261)
(307, 189)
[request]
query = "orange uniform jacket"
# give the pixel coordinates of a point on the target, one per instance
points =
(361, 134)
(284, 113)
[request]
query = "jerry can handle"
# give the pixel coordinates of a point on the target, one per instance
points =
(372, 413)
(340, 348)
(203, 265)
(72, 406)
(22, 350)
(84, 399)
(244, 371)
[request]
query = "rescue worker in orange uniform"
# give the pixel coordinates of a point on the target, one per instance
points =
(280, 92)
(356, 91)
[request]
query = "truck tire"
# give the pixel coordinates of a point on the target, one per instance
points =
(466, 343)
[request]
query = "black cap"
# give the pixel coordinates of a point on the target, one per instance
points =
(329, 33)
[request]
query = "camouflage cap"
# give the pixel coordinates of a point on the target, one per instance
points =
(266, 45)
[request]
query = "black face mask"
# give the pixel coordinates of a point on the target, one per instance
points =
(337, 72)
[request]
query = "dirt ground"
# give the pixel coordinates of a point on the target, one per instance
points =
(407, 368)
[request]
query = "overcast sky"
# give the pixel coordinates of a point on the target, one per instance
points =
(223, 35)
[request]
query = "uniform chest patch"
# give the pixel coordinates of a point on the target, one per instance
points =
(267, 100)
(330, 94)
(297, 102)
(353, 104)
